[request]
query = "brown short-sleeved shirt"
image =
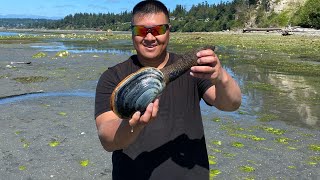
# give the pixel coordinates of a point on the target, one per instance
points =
(173, 145)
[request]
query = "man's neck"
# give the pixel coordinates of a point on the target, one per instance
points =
(158, 62)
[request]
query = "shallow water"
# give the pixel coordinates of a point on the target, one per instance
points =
(36, 95)
(267, 95)
(77, 48)
(7, 33)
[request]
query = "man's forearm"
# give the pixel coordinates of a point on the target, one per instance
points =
(116, 134)
(228, 93)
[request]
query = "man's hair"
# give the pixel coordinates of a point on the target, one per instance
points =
(150, 7)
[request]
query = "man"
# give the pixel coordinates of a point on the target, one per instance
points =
(167, 140)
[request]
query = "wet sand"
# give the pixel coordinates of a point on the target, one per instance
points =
(55, 137)
(27, 127)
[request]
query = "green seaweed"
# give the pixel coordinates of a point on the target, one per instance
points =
(312, 163)
(283, 140)
(216, 150)
(216, 119)
(218, 143)
(242, 112)
(315, 158)
(229, 155)
(314, 147)
(249, 178)
(62, 54)
(267, 117)
(54, 143)
(62, 113)
(212, 160)
(237, 144)
(261, 86)
(266, 148)
(31, 79)
(291, 148)
(22, 168)
(247, 168)
(17, 132)
(4, 76)
(248, 136)
(84, 163)
(292, 167)
(214, 173)
(231, 127)
(273, 130)
(39, 55)
(26, 144)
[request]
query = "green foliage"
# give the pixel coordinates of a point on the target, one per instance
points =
(202, 17)
(25, 23)
(281, 19)
(309, 14)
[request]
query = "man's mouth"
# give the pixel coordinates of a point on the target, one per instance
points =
(150, 47)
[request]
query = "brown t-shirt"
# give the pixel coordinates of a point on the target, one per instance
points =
(172, 146)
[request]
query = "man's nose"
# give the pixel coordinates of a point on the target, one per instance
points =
(149, 36)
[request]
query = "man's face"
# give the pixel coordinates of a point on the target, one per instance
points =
(151, 47)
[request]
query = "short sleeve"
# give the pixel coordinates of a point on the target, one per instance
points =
(203, 86)
(106, 84)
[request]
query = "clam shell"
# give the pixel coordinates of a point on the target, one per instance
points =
(136, 91)
(139, 89)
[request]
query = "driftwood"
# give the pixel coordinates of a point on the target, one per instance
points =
(284, 32)
(20, 62)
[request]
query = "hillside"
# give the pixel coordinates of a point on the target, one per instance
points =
(272, 13)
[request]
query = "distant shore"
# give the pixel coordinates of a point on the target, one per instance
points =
(79, 31)
(292, 31)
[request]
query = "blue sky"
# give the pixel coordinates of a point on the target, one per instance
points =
(61, 8)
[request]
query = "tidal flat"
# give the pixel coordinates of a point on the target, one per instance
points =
(47, 128)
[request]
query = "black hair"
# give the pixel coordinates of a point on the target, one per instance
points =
(149, 7)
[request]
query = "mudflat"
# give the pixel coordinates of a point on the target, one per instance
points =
(47, 128)
(52, 134)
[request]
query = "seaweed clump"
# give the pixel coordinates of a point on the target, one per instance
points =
(31, 79)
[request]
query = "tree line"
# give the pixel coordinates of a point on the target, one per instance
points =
(202, 17)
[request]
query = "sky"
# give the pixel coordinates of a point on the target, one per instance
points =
(61, 8)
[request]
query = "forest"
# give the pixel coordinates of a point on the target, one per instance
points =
(202, 17)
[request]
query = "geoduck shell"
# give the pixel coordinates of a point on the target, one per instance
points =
(136, 92)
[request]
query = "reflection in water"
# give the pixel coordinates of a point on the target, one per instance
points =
(59, 46)
(298, 91)
(287, 97)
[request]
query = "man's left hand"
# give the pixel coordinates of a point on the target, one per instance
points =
(209, 66)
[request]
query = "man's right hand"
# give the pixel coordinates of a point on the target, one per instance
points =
(138, 121)
(115, 133)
